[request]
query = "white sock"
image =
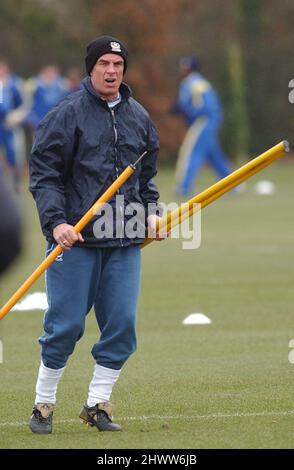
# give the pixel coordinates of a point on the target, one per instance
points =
(47, 383)
(102, 384)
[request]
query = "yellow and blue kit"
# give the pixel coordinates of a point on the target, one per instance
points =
(200, 105)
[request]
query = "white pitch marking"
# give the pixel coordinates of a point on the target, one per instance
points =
(179, 417)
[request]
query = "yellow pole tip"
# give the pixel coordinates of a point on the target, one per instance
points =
(286, 145)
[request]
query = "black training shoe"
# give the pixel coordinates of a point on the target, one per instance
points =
(100, 416)
(41, 419)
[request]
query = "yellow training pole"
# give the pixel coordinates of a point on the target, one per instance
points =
(78, 227)
(209, 195)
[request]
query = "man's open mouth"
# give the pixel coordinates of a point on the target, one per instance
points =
(110, 80)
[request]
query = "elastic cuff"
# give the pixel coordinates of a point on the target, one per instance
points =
(57, 222)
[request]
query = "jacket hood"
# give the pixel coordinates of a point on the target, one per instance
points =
(124, 89)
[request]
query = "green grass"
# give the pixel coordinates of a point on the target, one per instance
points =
(224, 385)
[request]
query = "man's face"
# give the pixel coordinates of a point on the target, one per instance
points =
(4, 70)
(107, 75)
(184, 71)
(49, 73)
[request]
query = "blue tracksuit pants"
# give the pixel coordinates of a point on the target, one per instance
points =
(8, 142)
(201, 145)
(106, 278)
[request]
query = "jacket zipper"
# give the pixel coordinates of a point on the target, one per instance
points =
(116, 169)
(115, 142)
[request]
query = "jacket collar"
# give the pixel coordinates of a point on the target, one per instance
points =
(124, 89)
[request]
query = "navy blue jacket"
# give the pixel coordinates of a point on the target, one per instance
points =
(80, 148)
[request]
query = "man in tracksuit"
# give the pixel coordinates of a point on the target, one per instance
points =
(201, 108)
(46, 91)
(11, 139)
(80, 148)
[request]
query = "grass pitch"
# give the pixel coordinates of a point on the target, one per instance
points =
(224, 385)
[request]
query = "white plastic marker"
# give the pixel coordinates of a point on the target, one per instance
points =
(35, 301)
(264, 188)
(196, 319)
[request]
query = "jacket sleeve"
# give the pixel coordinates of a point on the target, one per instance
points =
(50, 164)
(148, 190)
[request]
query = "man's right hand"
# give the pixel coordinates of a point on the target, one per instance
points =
(65, 236)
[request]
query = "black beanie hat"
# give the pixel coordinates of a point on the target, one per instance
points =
(104, 45)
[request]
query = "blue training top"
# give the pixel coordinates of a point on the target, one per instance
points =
(197, 98)
(11, 96)
(45, 97)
